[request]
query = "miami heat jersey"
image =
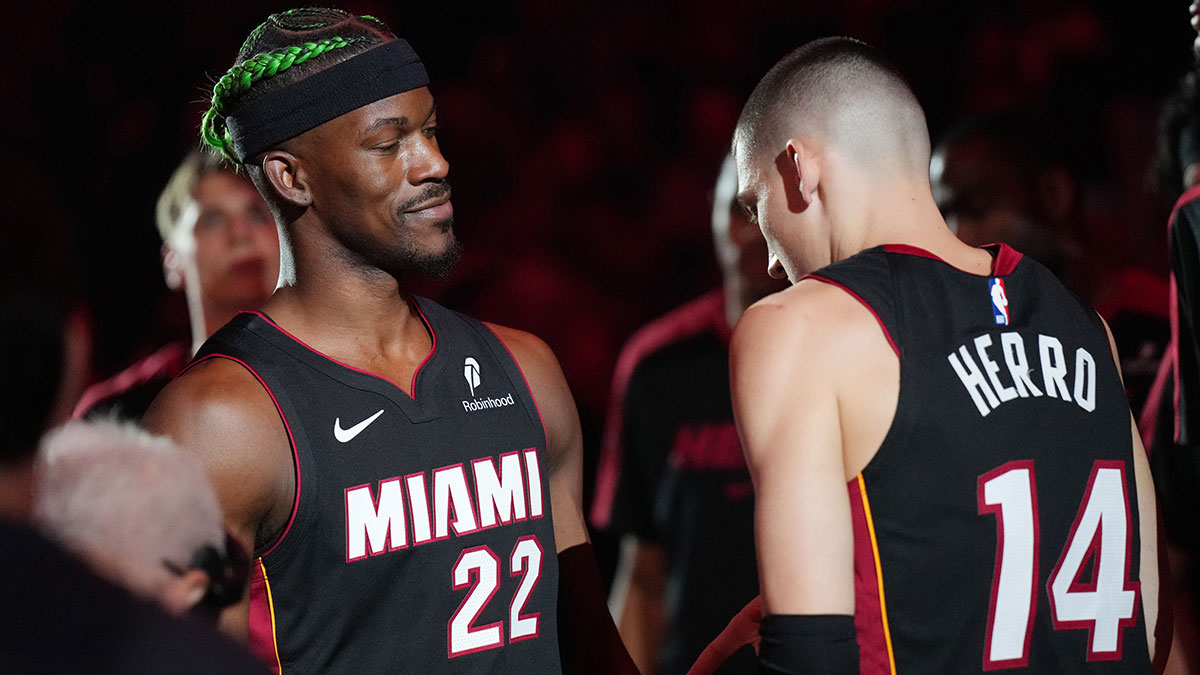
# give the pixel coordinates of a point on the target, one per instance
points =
(997, 526)
(421, 538)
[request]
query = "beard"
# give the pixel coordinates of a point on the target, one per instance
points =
(403, 253)
(431, 264)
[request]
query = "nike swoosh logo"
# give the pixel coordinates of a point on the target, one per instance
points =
(347, 435)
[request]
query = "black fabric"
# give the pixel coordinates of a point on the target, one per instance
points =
(377, 73)
(1184, 232)
(937, 539)
(808, 644)
(1175, 455)
(347, 601)
(588, 638)
(59, 618)
(681, 482)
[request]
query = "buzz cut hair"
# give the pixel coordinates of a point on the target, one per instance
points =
(843, 90)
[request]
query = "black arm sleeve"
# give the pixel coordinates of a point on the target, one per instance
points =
(808, 644)
(587, 637)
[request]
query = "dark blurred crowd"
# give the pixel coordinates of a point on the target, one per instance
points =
(585, 140)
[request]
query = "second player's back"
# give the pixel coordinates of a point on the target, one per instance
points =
(997, 525)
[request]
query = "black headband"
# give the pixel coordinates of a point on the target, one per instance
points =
(381, 71)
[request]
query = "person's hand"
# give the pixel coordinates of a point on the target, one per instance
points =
(742, 630)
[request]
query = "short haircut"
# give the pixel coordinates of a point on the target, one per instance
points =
(177, 194)
(137, 498)
(847, 93)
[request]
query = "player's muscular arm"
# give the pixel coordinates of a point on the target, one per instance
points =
(220, 412)
(783, 370)
(1148, 563)
(588, 638)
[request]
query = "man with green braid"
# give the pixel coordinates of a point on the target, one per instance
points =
(401, 472)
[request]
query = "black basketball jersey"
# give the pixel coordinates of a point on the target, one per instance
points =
(997, 526)
(421, 537)
(672, 473)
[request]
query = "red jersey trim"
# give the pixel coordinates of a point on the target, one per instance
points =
(864, 303)
(262, 639)
(1005, 262)
(704, 313)
(870, 610)
(412, 393)
(532, 396)
(286, 426)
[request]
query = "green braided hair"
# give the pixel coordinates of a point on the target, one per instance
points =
(284, 48)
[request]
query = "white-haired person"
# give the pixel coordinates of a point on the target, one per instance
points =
(141, 512)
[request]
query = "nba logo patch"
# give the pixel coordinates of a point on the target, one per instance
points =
(999, 300)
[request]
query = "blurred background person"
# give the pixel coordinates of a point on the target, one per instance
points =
(998, 178)
(1169, 422)
(672, 482)
(58, 616)
(141, 512)
(220, 247)
(1006, 177)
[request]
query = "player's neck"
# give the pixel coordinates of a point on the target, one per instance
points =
(365, 320)
(905, 214)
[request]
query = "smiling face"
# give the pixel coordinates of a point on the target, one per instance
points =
(378, 182)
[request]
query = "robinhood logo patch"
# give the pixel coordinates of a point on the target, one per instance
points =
(472, 374)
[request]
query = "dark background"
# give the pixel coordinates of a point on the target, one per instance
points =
(583, 137)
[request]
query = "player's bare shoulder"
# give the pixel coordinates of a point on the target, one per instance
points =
(219, 410)
(819, 320)
(214, 404)
(815, 352)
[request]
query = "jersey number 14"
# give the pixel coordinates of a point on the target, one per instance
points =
(1102, 533)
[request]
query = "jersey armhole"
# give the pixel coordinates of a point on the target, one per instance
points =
(882, 326)
(291, 443)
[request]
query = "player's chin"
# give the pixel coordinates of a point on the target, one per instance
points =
(438, 261)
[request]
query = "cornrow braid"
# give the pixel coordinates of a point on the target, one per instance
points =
(244, 75)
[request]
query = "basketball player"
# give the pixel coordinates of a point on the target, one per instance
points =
(947, 477)
(404, 474)
(672, 479)
(221, 249)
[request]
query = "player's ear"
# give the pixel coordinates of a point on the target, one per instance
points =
(172, 268)
(801, 174)
(285, 173)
